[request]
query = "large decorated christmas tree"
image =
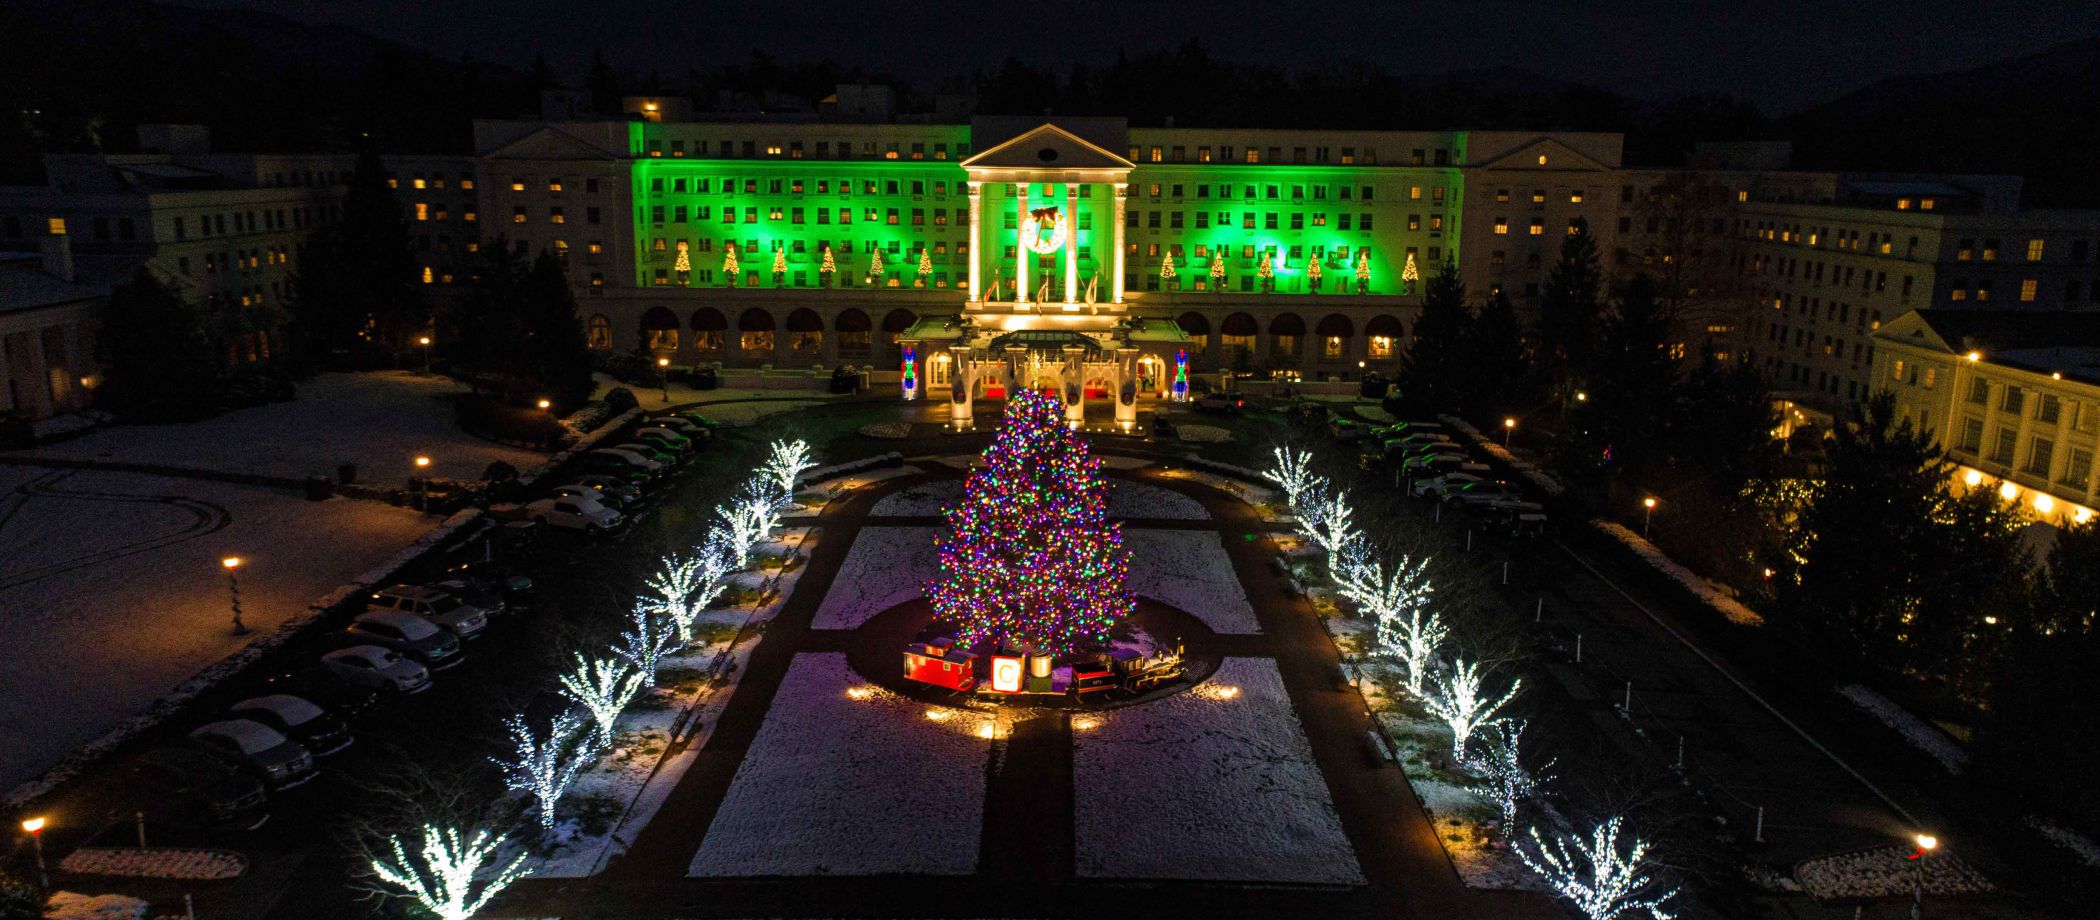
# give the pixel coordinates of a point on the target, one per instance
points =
(1030, 561)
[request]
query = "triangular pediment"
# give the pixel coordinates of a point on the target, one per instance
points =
(1047, 147)
(1913, 329)
(1559, 158)
(551, 144)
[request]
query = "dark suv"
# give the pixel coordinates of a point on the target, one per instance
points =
(190, 788)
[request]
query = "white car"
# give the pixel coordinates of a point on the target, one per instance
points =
(465, 620)
(575, 512)
(631, 459)
(297, 718)
(377, 668)
(280, 761)
(579, 490)
(1442, 485)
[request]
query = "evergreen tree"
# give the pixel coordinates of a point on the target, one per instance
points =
(1568, 315)
(159, 363)
(1030, 560)
(599, 82)
(375, 248)
(483, 329)
(1722, 426)
(1433, 372)
(1493, 373)
(2046, 682)
(1865, 532)
(554, 354)
(1633, 387)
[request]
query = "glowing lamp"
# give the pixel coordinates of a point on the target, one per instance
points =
(423, 340)
(422, 462)
(663, 362)
(545, 404)
(2008, 491)
(33, 826)
(1006, 674)
(1972, 478)
(2043, 503)
(231, 562)
(1581, 396)
(1648, 502)
(2082, 515)
(1974, 356)
(1927, 843)
(1509, 423)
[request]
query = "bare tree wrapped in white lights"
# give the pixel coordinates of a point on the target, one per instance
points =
(675, 592)
(1329, 523)
(788, 461)
(1510, 783)
(445, 876)
(647, 637)
(604, 686)
(1414, 635)
(1459, 700)
(1293, 472)
(542, 766)
(1603, 883)
(745, 521)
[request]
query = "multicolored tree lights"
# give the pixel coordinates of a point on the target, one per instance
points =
(1030, 561)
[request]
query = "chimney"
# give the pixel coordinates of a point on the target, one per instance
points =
(58, 256)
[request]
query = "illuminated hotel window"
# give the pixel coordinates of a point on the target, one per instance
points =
(1502, 195)
(422, 211)
(1575, 197)
(1501, 226)
(56, 226)
(1538, 227)
(418, 182)
(1253, 155)
(517, 185)
(554, 184)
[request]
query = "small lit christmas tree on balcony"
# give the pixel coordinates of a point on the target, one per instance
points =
(828, 267)
(1312, 273)
(682, 265)
(1030, 561)
(875, 269)
(730, 271)
(1217, 271)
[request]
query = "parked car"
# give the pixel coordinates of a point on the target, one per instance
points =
(1405, 428)
(685, 426)
(1482, 494)
(433, 646)
(189, 788)
(1344, 430)
(700, 419)
(438, 606)
(574, 513)
(377, 668)
(662, 457)
(325, 688)
(1438, 486)
(259, 749)
(665, 437)
(490, 596)
(1226, 401)
(1431, 462)
(616, 461)
(624, 490)
(299, 719)
(1414, 443)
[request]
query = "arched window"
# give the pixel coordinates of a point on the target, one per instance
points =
(660, 330)
(805, 333)
(855, 333)
(599, 331)
(1197, 327)
(708, 326)
(755, 332)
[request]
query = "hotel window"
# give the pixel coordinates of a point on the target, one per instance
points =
(2039, 452)
(1983, 290)
(1154, 155)
(1960, 291)
(2002, 449)
(466, 184)
(2034, 250)
(597, 247)
(2078, 468)
(1966, 251)
(1538, 196)
(2028, 289)
(1538, 227)
(518, 185)
(1414, 221)
(2047, 408)
(554, 184)
(1496, 258)
(1502, 195)
(1203, 154)
(1253, 155)
(1979, 391)
(1990, 250)
(2013, 400)
(1381, 346)
(1972, 434)
(517, 214)
(1501, 226)
(1575, 197)
(1363, 222)
(422, 211)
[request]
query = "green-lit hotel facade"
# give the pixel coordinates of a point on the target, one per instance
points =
(1290, 250)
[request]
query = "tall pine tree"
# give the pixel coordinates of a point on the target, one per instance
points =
(1633, 386)
(158, 362)
(1030, 560)
(1494, 377)
(553, 353)
(357, 280)
(1568, 314)
(1433, 370)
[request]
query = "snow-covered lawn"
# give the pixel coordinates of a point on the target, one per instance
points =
(927, 499)
(1115, 462)
(1215, 783)
(380, 421)
(1887, 872)
(1143, 500)
(838, 785)
(118, 595)
(1263, 499)
(1709, 592)
(1918, 732)
(1189, 569)
(1125, 500)
(887, 566)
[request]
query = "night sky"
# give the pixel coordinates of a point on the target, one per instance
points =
(1782, 55)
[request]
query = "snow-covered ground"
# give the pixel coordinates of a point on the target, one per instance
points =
(1708, 591)
(114, 594)
(1125, 500)
(380, 421)
(1263, 499)
(886, 566)
(839, 785)
(1215, 783)
(1919, 733)
(1189, 569)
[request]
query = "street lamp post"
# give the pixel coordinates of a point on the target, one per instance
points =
(546, 404)
(423, 481)
(1647, 515)
(1509, 430)
(34, 827)
(233, 592)
(424, 341)
(663, 369)
(1926, 844)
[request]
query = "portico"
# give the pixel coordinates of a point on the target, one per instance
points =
(1051, 191)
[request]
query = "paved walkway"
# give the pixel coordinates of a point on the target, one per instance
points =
(1031, 785)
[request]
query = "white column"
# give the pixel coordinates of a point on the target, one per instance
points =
(1126, 386)
(1122, 201)
(1021, 254)
(959, 408)
(976, 237)
(1071, 246)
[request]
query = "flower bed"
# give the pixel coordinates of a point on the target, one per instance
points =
(1887, 872)
(1202, 434)
(155, 862)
